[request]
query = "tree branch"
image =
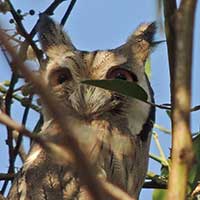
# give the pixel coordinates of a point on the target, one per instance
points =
(23, 32)
(48, 11)
(6, 177)
(19, 147)
(20, 99)
(154, 185)
(68, 12)
(9, 141)
(182, 152)
(170, 9)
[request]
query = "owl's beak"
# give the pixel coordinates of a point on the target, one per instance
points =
(90, 102)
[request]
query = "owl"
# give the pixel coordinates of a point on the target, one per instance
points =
(113, 130)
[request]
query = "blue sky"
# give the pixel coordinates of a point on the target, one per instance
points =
(104, 24)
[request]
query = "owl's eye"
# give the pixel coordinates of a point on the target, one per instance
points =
(120, 73)
(60, 76)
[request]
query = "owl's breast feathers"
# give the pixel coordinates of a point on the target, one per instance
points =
(117, 154)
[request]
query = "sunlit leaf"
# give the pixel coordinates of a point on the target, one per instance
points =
(148, 68)
(159, 194)
(126, 88)
(169, 113)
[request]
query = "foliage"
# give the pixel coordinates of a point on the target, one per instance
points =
(123, 87)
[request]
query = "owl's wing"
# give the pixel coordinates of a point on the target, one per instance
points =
(42, 179)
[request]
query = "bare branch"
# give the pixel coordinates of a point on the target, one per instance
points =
(68, 12)
(19, 147)
(9, 142)
(23, 31)
(48, 11)
(154, 185)
(5, 119)
(195, 108)
(170, 9)
(53, 6)
(19, 98)
(6, 176)
(182, 151)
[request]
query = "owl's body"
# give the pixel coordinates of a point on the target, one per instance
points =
(112, 130)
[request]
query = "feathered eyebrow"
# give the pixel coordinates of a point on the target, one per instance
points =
(69, 61)
(74, 60)
(104, 59)
(123, 65)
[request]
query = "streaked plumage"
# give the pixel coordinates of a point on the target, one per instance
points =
(113, 130)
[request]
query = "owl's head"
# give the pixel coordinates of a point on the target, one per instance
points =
(67, 67)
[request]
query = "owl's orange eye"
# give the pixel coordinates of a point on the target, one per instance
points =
(59, 76)
(120, 73)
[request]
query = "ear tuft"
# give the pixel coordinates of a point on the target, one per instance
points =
(51, 34)
(145, 32)
(140, 43)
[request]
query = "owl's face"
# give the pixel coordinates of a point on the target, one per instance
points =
(67, 67)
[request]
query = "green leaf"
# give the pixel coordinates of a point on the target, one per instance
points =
(159, 194)
(194, 175)
(126, 88)
(169, 114)
(148, 68)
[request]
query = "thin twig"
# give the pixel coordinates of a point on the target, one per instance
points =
(170, 8)
(3, 90)
(53, 6)
(195, 108)
(157, 180)
(162, 155)
(68, 12)
(8, 102)
(158, 159)
(154, 185)
(23, 31)
(38, 125)
(161, 128)
(4, 177)
(20, 150)
(158, 106)
(19, 147)
(48, 11)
